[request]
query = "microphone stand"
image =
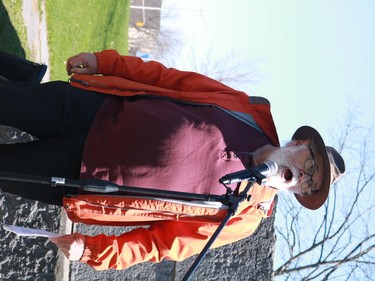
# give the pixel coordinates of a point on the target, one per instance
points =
(233, 201)
(101, 186)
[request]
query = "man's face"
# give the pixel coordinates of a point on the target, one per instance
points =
(299, 168)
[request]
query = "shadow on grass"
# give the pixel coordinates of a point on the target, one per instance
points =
(9, 40)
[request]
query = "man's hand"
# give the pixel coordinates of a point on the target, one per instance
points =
(71, 245)
(83, 63)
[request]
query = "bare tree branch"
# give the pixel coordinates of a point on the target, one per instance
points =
(343, 241)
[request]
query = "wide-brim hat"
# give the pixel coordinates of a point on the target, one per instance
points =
(333, 167)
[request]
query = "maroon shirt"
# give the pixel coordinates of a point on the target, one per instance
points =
(157, 143)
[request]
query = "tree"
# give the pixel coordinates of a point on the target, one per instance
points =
(173, 48)
(337, 242)
(228, 67)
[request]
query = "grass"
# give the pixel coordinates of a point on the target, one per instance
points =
(73, 27)
(84, 26)
(12, 30)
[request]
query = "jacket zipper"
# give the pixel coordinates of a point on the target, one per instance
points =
(84, 83)
(90, 84)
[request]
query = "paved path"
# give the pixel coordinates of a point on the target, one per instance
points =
(34, 16)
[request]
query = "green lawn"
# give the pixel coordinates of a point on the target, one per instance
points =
(12, 29)
(73, 27)
(85, 26)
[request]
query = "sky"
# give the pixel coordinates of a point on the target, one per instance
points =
(314, 60)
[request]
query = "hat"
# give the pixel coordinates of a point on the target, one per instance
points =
(333, 167)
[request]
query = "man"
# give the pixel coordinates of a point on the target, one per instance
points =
(142, 124)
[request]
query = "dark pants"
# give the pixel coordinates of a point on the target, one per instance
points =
(60, 116)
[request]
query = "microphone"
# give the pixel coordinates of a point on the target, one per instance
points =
(266, 169)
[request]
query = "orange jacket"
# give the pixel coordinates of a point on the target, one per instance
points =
(129, 76)
(176, 230)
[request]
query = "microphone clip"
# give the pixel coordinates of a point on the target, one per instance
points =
(251, 173)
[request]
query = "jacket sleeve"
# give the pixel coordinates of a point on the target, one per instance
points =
(110, 62)
(168, 239)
